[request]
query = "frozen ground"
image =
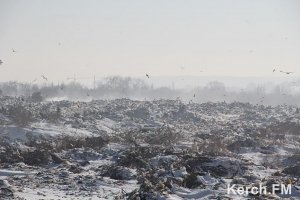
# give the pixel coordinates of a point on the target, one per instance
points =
(123, 149)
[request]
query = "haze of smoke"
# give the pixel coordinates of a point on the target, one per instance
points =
(116, 87)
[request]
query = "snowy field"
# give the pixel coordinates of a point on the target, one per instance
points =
(163, 149)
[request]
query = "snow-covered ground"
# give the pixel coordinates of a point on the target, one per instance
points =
(163, 149)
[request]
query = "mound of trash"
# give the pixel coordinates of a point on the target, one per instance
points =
(162, 149)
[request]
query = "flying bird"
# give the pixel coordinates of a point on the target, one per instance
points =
(44, 77)
(147, 75)
(286, 72)
(13, 51)
(1, 62)
(274, 70)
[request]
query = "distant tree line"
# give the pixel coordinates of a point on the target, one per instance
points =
(126, 87)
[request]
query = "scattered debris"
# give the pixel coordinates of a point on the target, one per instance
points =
(161, 149)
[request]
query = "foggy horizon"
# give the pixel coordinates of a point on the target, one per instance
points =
(186, 89)
(161, 81)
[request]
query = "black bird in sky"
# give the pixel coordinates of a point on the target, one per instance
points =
(286, 72)
(44, 77)
(1, 62)
(147, 75)
(274, 70)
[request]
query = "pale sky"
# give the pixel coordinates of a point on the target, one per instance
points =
(59, 38)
